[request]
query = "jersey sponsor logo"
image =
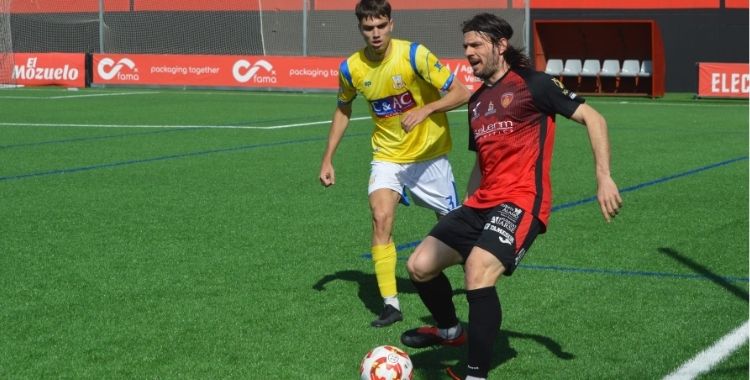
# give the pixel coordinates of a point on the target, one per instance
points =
(506, 99)
(108, 69)
(509, 240)
(505, 222)
(490, 109)
(509, 225)
(504, 127)
(398, 82)
(563, 89)
(503, 236)
(559, 84)
(393, 105)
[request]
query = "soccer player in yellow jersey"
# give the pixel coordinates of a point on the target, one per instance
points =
(402, 82)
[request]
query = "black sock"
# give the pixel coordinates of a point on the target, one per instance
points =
(485, 317)
(437, 295)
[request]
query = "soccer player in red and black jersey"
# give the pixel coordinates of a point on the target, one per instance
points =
(512, 125)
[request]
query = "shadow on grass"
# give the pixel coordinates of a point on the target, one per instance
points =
(367, 287)
(431, 363)
(703, 271)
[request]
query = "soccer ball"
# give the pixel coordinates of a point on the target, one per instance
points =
(386, 363)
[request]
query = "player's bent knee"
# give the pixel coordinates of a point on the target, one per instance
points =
(483, 277)
(420, 270)
(421, 276)
(411, 266)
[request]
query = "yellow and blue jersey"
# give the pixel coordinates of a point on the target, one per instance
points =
(409, 77)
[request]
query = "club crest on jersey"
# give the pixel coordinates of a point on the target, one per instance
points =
(506, 99)
(398, 82)
(393, 105)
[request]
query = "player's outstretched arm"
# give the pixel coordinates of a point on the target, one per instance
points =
(607, 193)
(339, 123)
(458, 94)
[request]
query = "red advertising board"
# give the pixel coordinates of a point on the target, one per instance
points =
(724, 80)
(216, 71)
(739, 4)
(463, 72)
(278, 72)
(49, 69)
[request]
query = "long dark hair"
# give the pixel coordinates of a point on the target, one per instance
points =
(372, 9)
(495, 28)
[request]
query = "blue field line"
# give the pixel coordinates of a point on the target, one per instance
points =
(630, 273)
(413, 244)
(166, 158)
(154, 159)
(611, 272)
(652, 183)
(82, 139)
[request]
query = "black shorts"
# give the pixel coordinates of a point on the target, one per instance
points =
(506, 231)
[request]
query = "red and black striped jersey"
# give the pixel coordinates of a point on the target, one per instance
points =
(512, 129)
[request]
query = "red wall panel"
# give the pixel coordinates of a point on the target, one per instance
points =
(67, 6)
(348, 5)
(225, 5)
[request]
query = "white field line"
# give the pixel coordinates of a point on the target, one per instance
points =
(708, 358)
(167, 126)
(282, 126)
(599, 102)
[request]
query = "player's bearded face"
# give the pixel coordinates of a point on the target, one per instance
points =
(482, 54)
(377, 33)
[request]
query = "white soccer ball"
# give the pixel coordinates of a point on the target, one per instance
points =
(386, 363)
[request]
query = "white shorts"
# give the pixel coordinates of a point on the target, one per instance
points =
(430, 182)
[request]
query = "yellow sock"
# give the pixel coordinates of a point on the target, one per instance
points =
(384, 258)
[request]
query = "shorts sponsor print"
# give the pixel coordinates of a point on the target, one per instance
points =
(506, 231)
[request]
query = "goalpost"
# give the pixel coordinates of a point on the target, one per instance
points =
(6, 46)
